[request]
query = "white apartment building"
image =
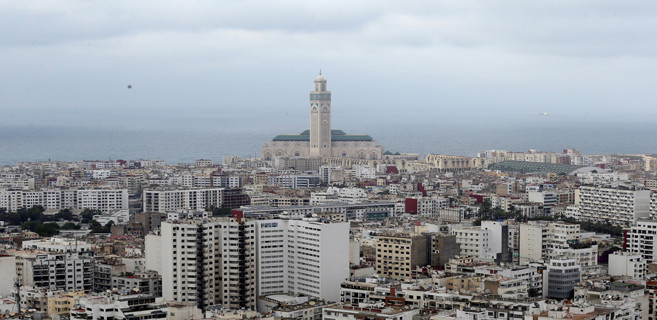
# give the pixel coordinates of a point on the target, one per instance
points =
(351, 313)
(98, 174)
(116, 217)
(532, 237)
(602, 178)
(349, 195)
(16, 181)
(116, 307)
(653, 205)
(231, 262)
(58, 245)
(204, 163)
(527, 274)
(453, 214)
(295, 181)
(70, 272)
(500, 237)
(486, 241)
(542, 241)
(573, 212)
(620, 205)
(358, 211)
(149, 163)
(627, 264)
(641, 240)
(102, 199)
(364, 172)
(105, 200)
(200, 181)
(176, 199)
(560, 234)
(332, 194)
(302, 257)
(547, 199)
(586, 256)
(474, 242)
(227, 181)
(530, 209)
(206, 262)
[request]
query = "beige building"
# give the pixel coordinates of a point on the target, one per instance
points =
(61, 305)
(456, 163)
(321, 140)
(397, 255)
(464, 283)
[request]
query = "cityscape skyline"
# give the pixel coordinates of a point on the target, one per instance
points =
(451, 160)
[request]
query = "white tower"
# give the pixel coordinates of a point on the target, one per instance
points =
(320, 119)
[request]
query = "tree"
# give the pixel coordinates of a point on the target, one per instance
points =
(30, 225)
(96, 227)
(485, 208)
(532, 292)
(14, 218)
(88, 214)
(64, 214)
(47, 230)
(70, 226)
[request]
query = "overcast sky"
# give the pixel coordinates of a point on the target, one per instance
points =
(70, 62)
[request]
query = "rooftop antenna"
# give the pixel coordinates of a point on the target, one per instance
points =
(320, 71)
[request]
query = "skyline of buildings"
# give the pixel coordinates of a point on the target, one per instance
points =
(322, 227)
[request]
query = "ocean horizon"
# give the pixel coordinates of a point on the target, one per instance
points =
(207, 138)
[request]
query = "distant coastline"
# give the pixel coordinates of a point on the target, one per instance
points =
(177, 145)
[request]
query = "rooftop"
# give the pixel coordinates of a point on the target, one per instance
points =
(527, 167)
(336, 135)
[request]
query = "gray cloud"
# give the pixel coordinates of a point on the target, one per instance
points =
(77, 57)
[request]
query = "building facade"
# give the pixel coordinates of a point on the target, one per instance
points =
(105, 200)
(619, 206)
(302, 257)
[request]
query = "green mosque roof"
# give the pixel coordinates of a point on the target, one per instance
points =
(336, 135)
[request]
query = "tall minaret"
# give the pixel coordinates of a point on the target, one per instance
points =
(320, 119)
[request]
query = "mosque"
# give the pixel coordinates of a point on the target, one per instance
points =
(321, 140)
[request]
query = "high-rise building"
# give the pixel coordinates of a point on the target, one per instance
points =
(542, 241)
(105, 200)
(641, 239)
(208, 263)
(398, 254)
(67, 271)
(165, 200)
(303, 257)
(561, 276)
(620, 205)
(233, 261)
(627, 264)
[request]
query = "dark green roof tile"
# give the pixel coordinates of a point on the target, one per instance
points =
(336, 135)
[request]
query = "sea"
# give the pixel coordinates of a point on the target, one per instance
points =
(203, 137)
